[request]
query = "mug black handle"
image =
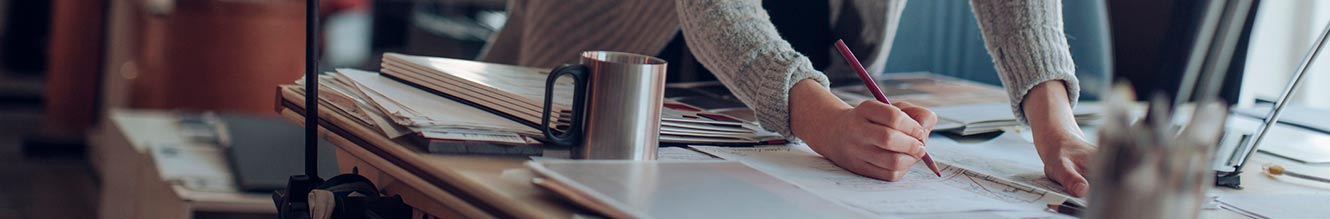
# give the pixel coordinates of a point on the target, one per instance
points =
(573, 136)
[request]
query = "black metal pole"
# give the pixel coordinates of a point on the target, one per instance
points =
(311, 88)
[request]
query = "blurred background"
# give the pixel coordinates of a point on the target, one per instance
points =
(67, 65)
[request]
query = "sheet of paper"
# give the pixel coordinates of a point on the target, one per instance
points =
(1008, 156)
(663, 154)
(920, 192)
(986, 214)
(678, 154)
(194, 167)
(1280, 205)
(683, 189)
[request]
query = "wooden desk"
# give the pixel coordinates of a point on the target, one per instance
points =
(134, 185)
(447, 186)
(470, 186)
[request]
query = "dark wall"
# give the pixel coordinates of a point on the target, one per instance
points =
(1152, 40)
(27, 26)
(943, 37)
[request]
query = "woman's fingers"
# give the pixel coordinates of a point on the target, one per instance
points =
(1064, 173)
(871, 170)
(879, 163)
(887, 139)
(923, 116)
(1081, 157)
(891, 116)
(890, 160)
(892, 140)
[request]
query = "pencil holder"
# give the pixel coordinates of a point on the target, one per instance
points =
(1150, 169)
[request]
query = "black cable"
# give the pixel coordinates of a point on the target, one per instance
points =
(311, 88)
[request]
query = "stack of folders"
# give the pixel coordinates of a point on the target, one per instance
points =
(436, 124)
(517, 93)
(972, 119)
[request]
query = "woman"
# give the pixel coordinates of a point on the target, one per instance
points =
(737, 41)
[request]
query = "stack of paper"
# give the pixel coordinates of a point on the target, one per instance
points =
(971, 119)
(437, 124)
(517, 93)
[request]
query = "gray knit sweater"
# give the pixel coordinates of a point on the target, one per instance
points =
(736, 41)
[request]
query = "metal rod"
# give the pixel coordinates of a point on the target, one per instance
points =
(1226, 45)
(311, 88)
(1283, 98)
(1196, 60)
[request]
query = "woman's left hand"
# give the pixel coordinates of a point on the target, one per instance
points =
(1067, 162)
(1057, 137)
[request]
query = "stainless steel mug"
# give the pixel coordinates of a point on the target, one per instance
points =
(616, 106)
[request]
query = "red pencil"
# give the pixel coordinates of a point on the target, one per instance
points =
(877, 93)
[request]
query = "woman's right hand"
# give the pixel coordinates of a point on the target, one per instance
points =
(875, 139)
(872, 139)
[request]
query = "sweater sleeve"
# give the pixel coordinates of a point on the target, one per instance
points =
(737, 42)
(1028, 47)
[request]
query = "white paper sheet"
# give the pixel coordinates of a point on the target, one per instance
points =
(681, 154)
(1008, 156)
(682, 189)
(920, 192)
(1280, 205)
(196, 168)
